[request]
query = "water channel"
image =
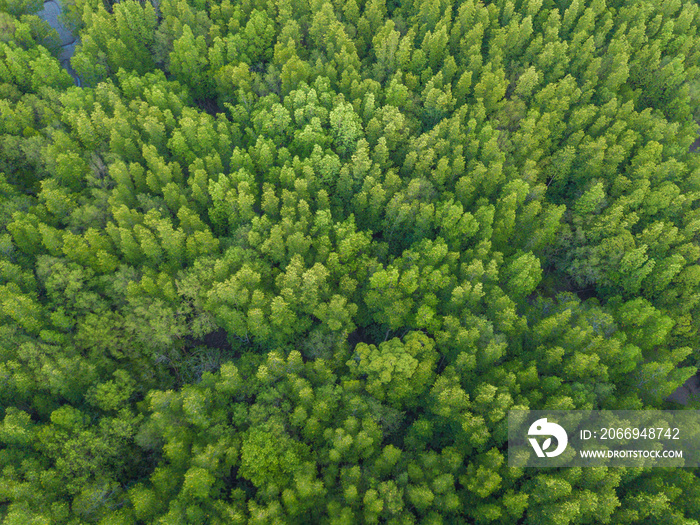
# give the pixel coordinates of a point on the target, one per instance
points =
(50, 14)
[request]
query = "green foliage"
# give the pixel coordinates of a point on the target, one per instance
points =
(20, 7)
(397, 373)
(110, 41)
(287, 262)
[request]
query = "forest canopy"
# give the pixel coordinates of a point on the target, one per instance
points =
(293, 261)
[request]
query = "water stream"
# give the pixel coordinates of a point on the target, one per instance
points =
(50, 13)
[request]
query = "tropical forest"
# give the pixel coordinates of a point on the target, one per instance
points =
(294, 261)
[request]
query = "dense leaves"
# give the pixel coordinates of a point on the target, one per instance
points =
(293, 261)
